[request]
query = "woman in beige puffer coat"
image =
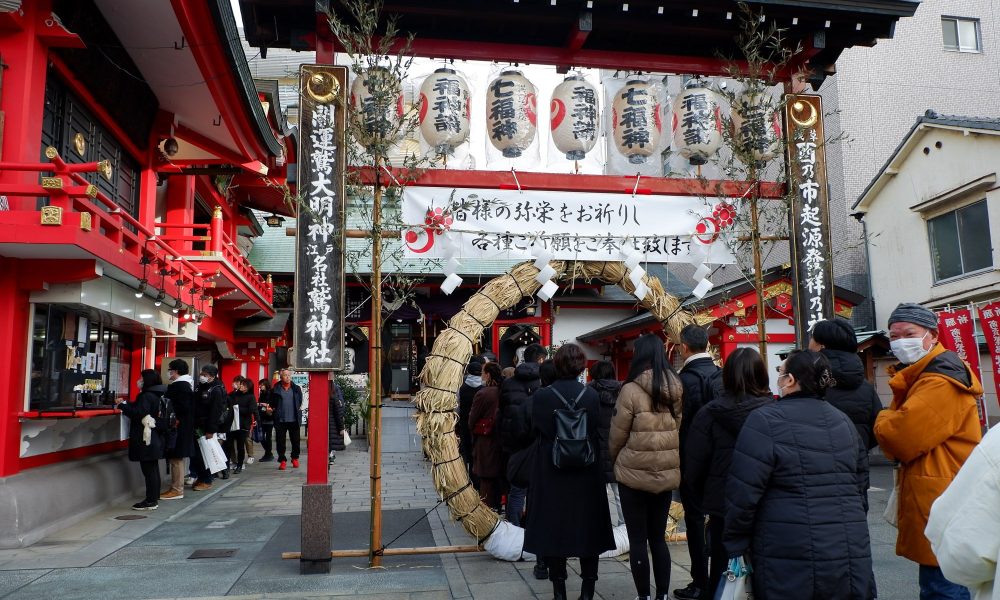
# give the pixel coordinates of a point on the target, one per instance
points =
(644, 448)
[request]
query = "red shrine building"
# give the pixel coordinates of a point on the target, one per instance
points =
(134, 144)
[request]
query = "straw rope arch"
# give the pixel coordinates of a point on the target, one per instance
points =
(444, 371)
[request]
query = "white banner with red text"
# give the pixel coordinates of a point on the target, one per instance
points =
(515, 225)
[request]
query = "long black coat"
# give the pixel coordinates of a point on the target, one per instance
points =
(181, 394)
(794, 499)
(515, 407)
(607, 391)
(568, 509)
(148, 403)
(709, 450)
(336, 417)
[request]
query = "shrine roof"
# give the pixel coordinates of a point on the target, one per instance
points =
(930, 119)
(575, 32)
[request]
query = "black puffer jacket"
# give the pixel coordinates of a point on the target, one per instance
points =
(515, 407)
(853, 395)
(607, 391)
(696, 377)
(248, 406)
(794, 498)
(709, 449)
(336, 417)
(147, 403)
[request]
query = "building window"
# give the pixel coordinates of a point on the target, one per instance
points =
(960, 241)
(75, 362)
(961, 35)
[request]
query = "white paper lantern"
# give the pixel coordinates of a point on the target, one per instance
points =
(574, 117)
(636, 121)
(756, 125)
(511, 113)
(381, 121)
(697, 123)
(444, 110)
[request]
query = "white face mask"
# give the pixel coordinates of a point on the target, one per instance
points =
(203, 378)
(909, 350)
(138, 384)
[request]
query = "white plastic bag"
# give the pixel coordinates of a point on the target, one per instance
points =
(236, 418)
(347, 439)
(212, 454)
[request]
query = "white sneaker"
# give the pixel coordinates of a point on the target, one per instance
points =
(250, 460)
(189, 481)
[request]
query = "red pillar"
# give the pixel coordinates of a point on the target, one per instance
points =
(180, 208)
(228, 369)
(318, 436)
(14, 329)
(25, 60)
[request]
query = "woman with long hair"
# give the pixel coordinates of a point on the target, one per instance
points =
(644, 447)
(794, 493)
(487, 458)
(242, 397)
(266, 415)
(568, 506)
(145, 441)
(708, 450)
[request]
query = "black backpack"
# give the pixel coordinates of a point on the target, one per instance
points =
(572, 448)
(167, 422)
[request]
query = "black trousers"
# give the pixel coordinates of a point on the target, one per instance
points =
(151, 473)
(267, 431)
(557, 567)
(719, 558)
(293, 434)
(646, 524)
(235, 447)
(694, 523)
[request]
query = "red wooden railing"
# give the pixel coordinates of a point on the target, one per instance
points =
(107, 218)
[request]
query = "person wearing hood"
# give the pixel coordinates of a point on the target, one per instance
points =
(931, 427)
(794, 504)
(708, 449)
(515, 419)
(568, 506)
(466, 394)
(145, 443)
(181, 394)
(644, 447)
(603, 380)
(851, 392)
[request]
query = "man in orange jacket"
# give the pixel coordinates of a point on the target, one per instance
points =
(931, 427)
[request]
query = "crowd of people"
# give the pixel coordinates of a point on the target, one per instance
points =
(780, 480)
(170, 422)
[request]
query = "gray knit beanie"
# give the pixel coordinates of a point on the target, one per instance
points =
(909, 312)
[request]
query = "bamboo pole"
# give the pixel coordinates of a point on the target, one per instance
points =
(375, 379)
(393, 552)
(758, 275)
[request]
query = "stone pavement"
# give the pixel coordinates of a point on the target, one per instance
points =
(253, 518)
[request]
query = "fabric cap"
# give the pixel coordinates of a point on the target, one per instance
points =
(909, 312)
(474, 368)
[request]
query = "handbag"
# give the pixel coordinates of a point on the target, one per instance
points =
(735, 584)
(235, 425)
(520, 464)
(891, 514)
(484, 426)
(257, 432)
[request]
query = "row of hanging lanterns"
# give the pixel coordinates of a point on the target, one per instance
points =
(636, 116)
